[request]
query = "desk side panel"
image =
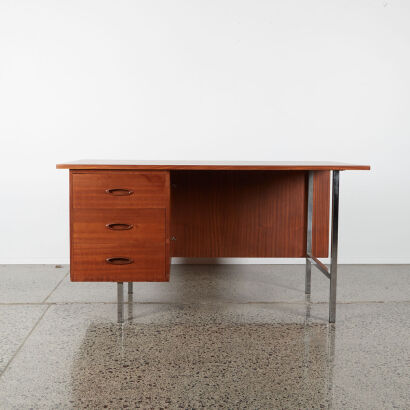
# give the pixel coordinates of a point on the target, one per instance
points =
(321, 213)
(247, 213)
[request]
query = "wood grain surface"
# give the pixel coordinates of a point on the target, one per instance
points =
(210, 214)
(247, 214)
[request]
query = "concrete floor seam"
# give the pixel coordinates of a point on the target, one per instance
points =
(58, 284)
(24, 341)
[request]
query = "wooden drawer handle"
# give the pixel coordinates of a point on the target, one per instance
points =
(119, 227)
(119, 261)
(119, 191)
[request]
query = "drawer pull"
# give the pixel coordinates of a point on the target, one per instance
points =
(119, 227)
(119, 261)
(119, 191)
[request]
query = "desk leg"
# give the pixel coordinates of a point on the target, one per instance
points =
(308, 274)
(333, 255)
(130, 291)
(120, 302)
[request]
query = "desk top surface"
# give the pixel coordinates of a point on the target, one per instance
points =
(211, 165)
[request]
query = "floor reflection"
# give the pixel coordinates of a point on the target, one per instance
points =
(203, 365)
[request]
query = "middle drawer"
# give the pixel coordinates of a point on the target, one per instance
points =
(114, 226)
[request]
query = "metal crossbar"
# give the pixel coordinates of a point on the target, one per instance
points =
(321, 266)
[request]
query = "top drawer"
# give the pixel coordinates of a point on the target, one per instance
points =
(118, 189)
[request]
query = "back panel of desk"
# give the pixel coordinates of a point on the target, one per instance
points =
(247, 213)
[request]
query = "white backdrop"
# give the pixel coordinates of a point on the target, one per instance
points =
(222, 79)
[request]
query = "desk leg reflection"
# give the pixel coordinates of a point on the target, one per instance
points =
(315, 335)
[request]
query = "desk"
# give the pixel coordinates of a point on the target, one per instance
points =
(128, 218)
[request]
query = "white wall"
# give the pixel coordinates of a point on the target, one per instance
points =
(226, 79)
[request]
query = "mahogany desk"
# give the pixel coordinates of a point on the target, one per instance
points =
(128, 218)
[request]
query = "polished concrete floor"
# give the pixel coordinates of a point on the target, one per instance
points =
(223, 336)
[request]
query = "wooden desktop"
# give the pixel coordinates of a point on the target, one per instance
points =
(128, 218)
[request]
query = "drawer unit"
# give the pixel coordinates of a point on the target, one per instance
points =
(119, 226)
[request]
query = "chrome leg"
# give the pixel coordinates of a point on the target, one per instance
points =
(130, 300)
(333, 255)
(120, 302)
(130, 306)
(308, 274)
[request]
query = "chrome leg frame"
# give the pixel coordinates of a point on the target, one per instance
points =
(333, 255)
(120, 302)
(309, 233)
(130, 291)
(331, 273)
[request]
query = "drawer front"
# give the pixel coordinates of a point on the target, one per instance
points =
(120, 189)
(118, 226)
(147, 263)
(118, 245)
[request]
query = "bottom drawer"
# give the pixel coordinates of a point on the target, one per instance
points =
(103, 255)
(108, 263)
